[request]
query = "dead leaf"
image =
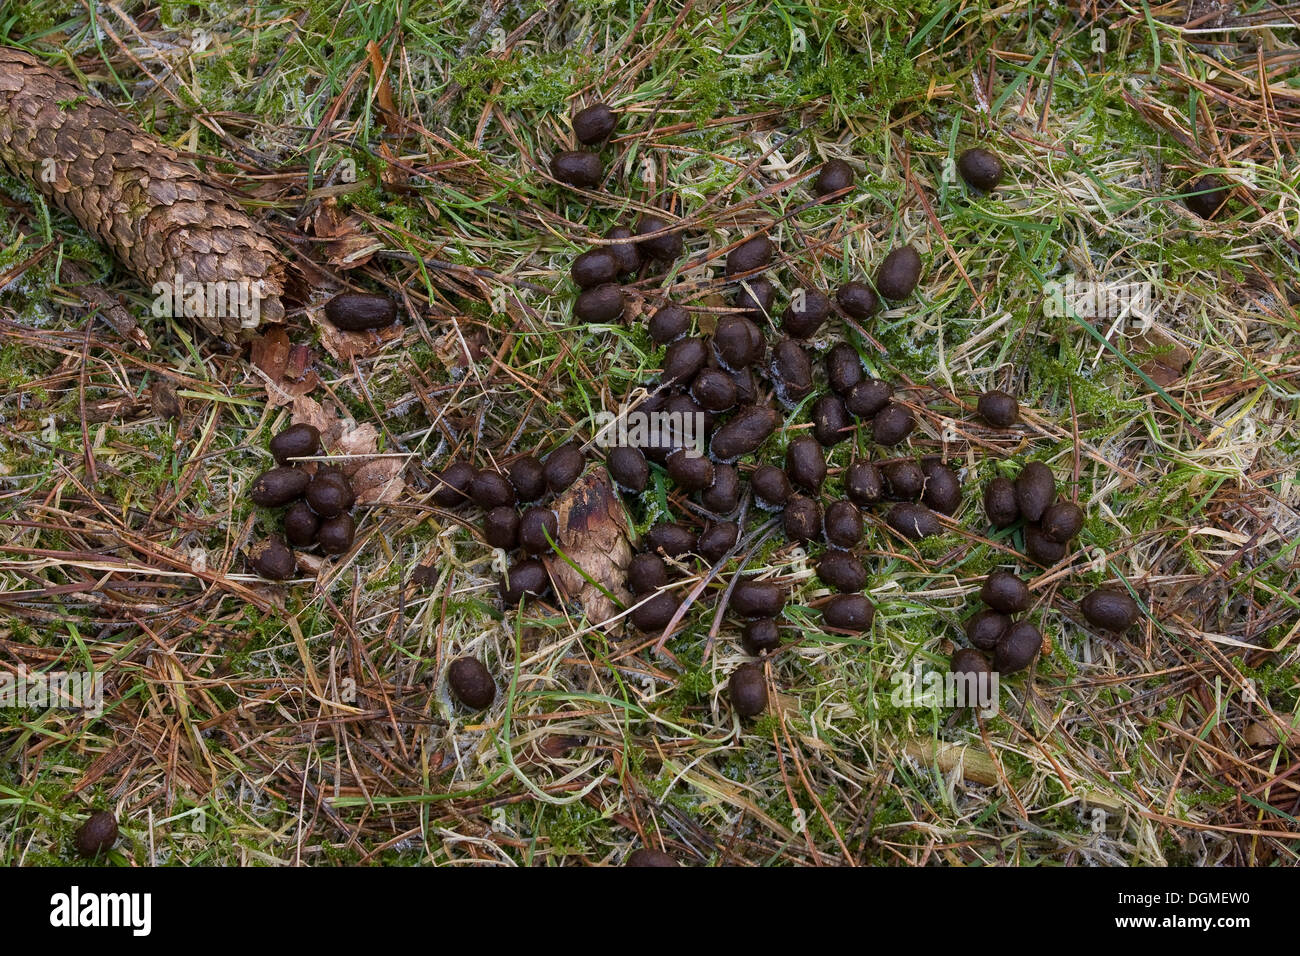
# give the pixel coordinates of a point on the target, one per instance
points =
(164, 400)
(284, 365)
(555, 746)
(379, 479)
(374, 479)
(348, 245)
(1166, 359)
(594, 536)
(345, 346)
(308, 411)
(356, 439)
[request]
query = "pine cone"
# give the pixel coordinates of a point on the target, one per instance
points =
(158, 214)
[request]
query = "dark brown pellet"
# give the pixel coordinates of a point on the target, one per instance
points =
(279, 486)
(491, 489)
(737, 342)
(563, 467)
(892, 424)
(300, 525)
(451, 485)
(842, 571)
(980, 168)
(1035, 489)
(757, 599)
(805, 463)
(849, 612)
(626, 254)
(1110, 610)
(805, 314)
(683, 360)
(272, 559)
(801, 519)
(971, 662)
(835, 175)
(501, 527)
(717, 539)
(942, 489)
(644, 857)
(904, 479)
(527, 477)
(1005, 592)
(771, 486)
(647, 572)
(522, 578)
(831, 421)
(336, 534)
(538, 527)
(594, 124)
(296, 441)
(792, 371)
(604, 303)
(858, 299)
(868, 397)
(748, 690)
(714, 389)
(913, 521)
(843, 368)
(578, 168)
(1062, 521)
(1206, 196)
(746, 386)
(662, 245)
(899, 273)
(747, 429)
(656, 611)
(330, 494)
(1000, 502)
(1017, 648)
(756, 295)
(691, 471)
(593, 268)
(754, 253)
(686, 409)
(761, 635)
(669, 323)
(97, 835)
(1042, 549)
(628, 467)
(671, 539)
(1000, 409)
(359, 311)
(723, 495)
(471, 683)
(843, 524)
(985, 628)
(863, 482)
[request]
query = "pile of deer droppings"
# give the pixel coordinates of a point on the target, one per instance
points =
(737, 381)
(319, 503)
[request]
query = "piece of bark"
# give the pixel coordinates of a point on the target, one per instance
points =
(161, 217)
(594, 536)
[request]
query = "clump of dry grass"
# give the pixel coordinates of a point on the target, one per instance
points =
(311, 724)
